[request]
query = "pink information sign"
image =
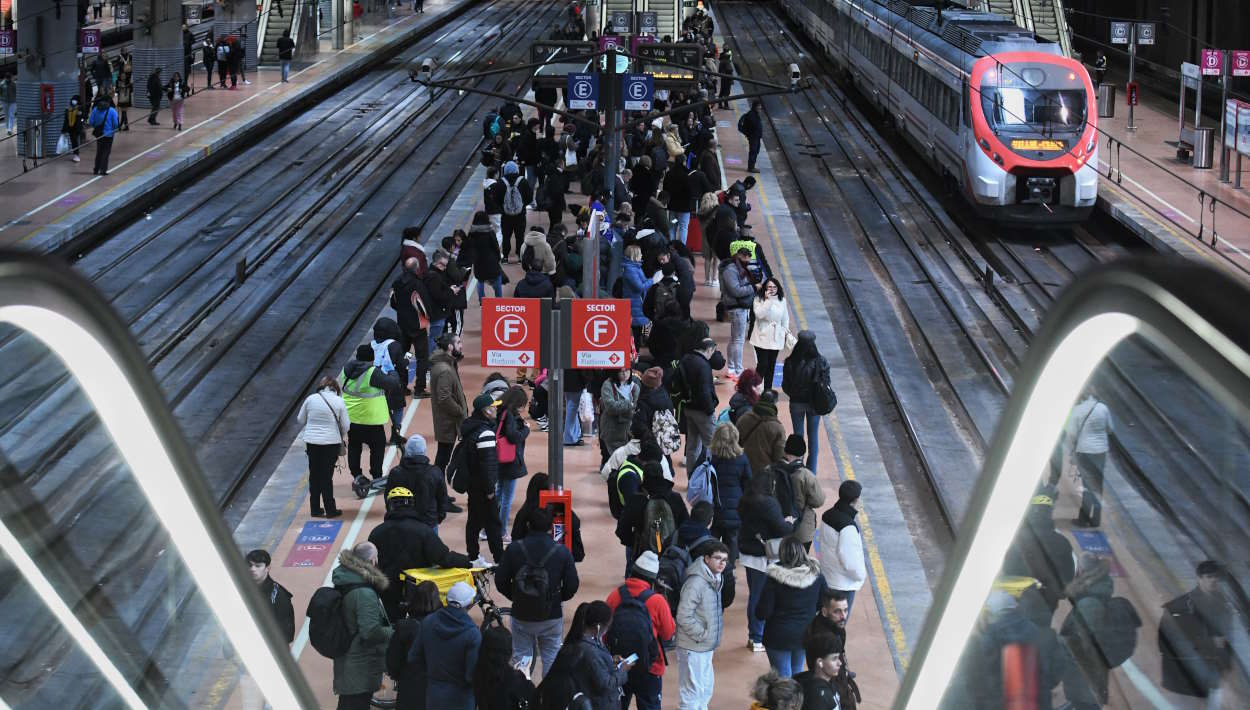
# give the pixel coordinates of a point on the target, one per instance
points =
(314, 544)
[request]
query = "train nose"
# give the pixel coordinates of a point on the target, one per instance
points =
(1040, 190)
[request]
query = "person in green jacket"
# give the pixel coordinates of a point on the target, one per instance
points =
(358, 673)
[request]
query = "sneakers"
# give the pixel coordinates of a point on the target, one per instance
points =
(481, 535)
(336, 513)
(507, 539)
(247, 83)
(76, 159)
(756, 646)
(543, 424)
(707, 282)
(481, 562)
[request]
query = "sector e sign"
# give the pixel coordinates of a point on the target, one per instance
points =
(511, 332)
(600, 336)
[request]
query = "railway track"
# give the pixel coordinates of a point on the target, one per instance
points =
(240, 289)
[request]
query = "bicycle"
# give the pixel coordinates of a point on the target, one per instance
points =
(493, 615)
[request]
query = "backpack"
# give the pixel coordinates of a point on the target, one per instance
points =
(666, 432)
(666, 304)
(631, 630)
(783, 490)
(742, 124)
(532, 589)
(702, 486)
(1116, 636)
(458, 468)
(223, 52)
(490, 125)
(673, 565)
(824, 399)
(657, 527)
(327, 621)
(382, 355)
(542, 198)
(513, 205)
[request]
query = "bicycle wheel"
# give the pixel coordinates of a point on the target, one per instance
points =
(499, 616)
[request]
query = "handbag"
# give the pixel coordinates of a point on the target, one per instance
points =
(791, 340)
(62, 144)
(337, 424)
(505, 448)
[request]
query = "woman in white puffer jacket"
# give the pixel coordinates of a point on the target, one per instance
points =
(324, 418)
(771, 331)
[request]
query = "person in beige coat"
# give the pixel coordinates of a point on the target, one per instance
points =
(544, 258)
(808, 495)
(448, 408)
(771, 332)
(762, 435)
(672, 142)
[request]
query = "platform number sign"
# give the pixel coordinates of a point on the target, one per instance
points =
(1241, 62)
(1212, 62)
(637, 90)
(121, 13)
(1119, 32)
(1145, 33)
(511, 332)
(648, 23)
(193, 14)
(8, 40)
(89, 41)
(619, 22)
(600, 336)
(583, 91)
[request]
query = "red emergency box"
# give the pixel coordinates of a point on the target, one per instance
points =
(561, 514)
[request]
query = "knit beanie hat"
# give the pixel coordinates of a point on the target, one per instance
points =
(416, 446)
(795, 446)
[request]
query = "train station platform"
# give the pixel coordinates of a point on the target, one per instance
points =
(49, 206)
(1166, 201)
(884, 618)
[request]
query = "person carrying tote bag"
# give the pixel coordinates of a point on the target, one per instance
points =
(324, 418)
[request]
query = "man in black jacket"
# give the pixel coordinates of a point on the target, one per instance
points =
(388, 345)
(535, 628)
(410, 299)
(441, 292)
(654, 486)
(276, 595)
(155, 90)
(405, 542)
(751, 125)
(424, 479)
(824, 662)
(694, 384)
(477, 435)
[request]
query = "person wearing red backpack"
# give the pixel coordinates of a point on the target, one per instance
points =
(644, 683)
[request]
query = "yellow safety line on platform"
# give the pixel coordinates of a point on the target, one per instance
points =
(874, 554)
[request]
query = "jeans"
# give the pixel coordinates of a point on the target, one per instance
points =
(103, 146)
(436, 329)
(755, 588)
(321, 458)
(10, 117)
(496, 286)
(850, 601)
(505, 490)
(737, 339)
(682, 227)
(699, 427)
(805, 422)
(1090, 467)
(695, 677)
(483, 515)
(286, 69)
(766, 364)
(647, 688)
(753, 152)
(572, 423)
(541, 636)
(371, 435)
(787, 662)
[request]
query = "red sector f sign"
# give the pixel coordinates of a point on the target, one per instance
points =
(600, 333)
(511, 332)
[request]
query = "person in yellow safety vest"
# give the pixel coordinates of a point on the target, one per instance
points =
(364, 392)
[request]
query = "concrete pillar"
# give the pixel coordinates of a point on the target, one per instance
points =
(158, 43)
(238, 18)
(47, 47)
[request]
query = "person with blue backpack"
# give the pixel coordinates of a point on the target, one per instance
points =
(641, 622)
(389, 354)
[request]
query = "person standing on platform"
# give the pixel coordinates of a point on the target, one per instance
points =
(645, 683)
(188, 53)
(102, 72)
(72, 126)
(517, 193)
(234, 59)
(831, 619)
(417, 474)
(1089, 429)
(390, 355)
(409, 299)
(726, 66)
(699, 625)
(177, 91)
(405, 541)
(693, 383)
(803, 370)
(1194, 636)
(819, 681)
(512, 432)
(8, 101)
(324, 419)
(484, 256)
(737, 296)
(808, 495)
(358, 673)
(447, 651)
(841, 546)
(763, 525)
(751, 125)
(276, 596)
(771, 333)
(442, 292)
(103, 120)
(364, 393)
(155, 89)
(787, 604)
(286, 51)
(482, 455)
(763, 436)
(449, 407)
(223, 60)
(241, 46)
(209, 48)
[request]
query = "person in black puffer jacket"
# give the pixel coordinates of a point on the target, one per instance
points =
(733, 475)
(761, 520)
(404, 542)
(654, 485)
(385, 329)
(425, 480)
(409, 678)
(652, 398)
(496, 684)
(536, 284)
(799, 376)
(788, 604)
(584, 665)
(481, 251)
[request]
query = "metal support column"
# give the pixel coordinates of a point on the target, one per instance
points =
(1228, 58)
(1132, 65)
(612, 133)
(555, 400)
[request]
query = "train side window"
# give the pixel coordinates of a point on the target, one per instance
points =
(965, 105)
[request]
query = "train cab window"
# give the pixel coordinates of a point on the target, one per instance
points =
(1051, 104)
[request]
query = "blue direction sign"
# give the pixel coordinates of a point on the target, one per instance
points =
(637, 91)
(583, 91)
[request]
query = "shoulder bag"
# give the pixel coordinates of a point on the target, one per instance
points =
(338, 426)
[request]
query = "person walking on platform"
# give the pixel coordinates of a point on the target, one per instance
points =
(484, 255)
(448, 405)
(177, 91)
(324, 419)
(517, 193)
(102, 72)
(1089, 428)
(481, 452)
(223, 60)
(751, 125)
(364, 394)
(72, 125)
(358, 673)
(693, 383)
(209, 48)
(155, 89)
(841, 546)
(8, 102)
(405, 541)
(803, 370)
(286, 51)
(276, 596)
(103, 120)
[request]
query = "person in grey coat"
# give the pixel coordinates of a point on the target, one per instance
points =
(736, 293)
(617, 398)
(699, 624)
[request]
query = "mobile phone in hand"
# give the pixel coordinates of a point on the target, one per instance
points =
(628, 661)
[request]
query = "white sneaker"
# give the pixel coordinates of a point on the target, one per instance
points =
(481, 561)
(245, 81)
(481, 535)
(76, 159)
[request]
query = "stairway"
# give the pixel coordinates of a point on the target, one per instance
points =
(275, 25)
(610, 6)
(667, 13)
(1006, 8)
(1049, 22)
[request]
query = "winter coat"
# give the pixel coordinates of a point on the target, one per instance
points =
(105, 118)
(636, 508)
(544, 258)
(818, 694)
(583, 665)
(515, 430)
(657, 215)
(385, 329)
(536, 284)
(155, 88)
(841, 549)
(709, 165)
(672, 143)
(799, 377)
(409, 678)
(279, 601)
(439, 299)
(762, 435)
(483, 250)
(652, 398)
(1191, 660)
(789, 600)
(492, 196)
(360, 669)
(808, 497)
(323, 417)
(634, 288)
(522, 185)
(680, 198)
(447, 648)
(1087, 616)
(761, 521)
(478, 434)
(736, 287)
(406, 291)
(699, 615)
(696, 370)
(561, 571)
(732, 477)
(425, 480)
(772, 324)
(752, 126)
(617, 412)
(661, 617)
(448, 408)
(513, 690)
(405, 542)
(739, 405)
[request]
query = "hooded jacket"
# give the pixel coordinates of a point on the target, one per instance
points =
(818, 694)
(680, 198)
(732, 477)
(636, 507)
(789, 600)
(634, 287)
(448, 648)
(699, 614)
(425, 480)
(483, 252)
(388, 383)
(409, 678)
(696, 371)
(582, 665)
(808, 497)
(360, 669)
(492, 196)
(762, 435)
(761, 520)
(448, 407)
(544, 258)
(842, 548)
(736, 289)
(478, 434)
(536, 284)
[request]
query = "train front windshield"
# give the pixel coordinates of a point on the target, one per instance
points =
(1033, 98)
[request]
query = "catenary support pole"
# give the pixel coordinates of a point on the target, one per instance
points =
(555, 401)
